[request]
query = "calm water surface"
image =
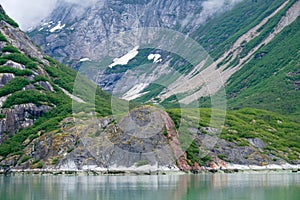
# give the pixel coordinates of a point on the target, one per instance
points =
(270, 186)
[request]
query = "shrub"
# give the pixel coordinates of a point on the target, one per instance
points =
(17, 72)
(36, 97)
(142, 163)
(14, 85)
(10, 48)
(70, 150)
(223, 157)
(40, 78)
(2, 61)
(7, 19)
(22, 59)
(25, 158)
(35, 161)
(2, 38)
(39, 165)
(55, 161)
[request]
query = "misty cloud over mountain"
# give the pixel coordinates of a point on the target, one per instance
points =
(29, 13)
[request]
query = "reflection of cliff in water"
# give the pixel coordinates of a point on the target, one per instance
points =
(269, 186)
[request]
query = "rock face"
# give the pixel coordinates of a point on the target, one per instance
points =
(144, 139)
(64, 34)
(21, 51)
(5, 78)
(19, 116)
(137, 140)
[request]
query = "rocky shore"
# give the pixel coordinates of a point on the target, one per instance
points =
(152, 170)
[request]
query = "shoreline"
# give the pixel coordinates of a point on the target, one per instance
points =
(231, 168)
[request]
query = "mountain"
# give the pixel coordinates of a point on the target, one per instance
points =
(237, 46)
(53, 118)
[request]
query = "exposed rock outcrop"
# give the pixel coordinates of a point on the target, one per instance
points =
(5, 78)
(19, 116)
(71, 40)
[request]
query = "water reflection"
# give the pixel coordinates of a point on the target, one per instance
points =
(209, 186)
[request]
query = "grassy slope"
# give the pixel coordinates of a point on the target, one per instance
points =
(279, 132)
(268, 82)
(221, 32)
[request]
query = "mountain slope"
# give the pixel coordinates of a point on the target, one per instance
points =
(35, 89)
(270, 80)
(234, 46)
(54, 118)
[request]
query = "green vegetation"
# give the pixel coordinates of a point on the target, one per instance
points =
(142, 163)
(265, 30)
(70, 150)
(221, 32)
(196, 156)
(269, 80)
(22, 59)
(39, 165)
(2, 38)
(222, 157)
(55, 161)
(65, 77)
(40, 78)
(35, 161)
(7, 19)
(17, 72)
(62, 75)
(14, 85)
(28, 96)
(25, 158)
(10, 48)
(274, 129)
(96, 100)
(46, 123)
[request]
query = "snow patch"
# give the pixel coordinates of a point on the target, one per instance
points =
(134, 92)
(57, 27)
(126, 58)
(84, 59)
(47, 23)
(155, 57)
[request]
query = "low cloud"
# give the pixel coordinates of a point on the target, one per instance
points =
(30, 12)
(211, 7)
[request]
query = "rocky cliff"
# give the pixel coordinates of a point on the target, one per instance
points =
(65, 35)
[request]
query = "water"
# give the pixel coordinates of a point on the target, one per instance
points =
(273, 186)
